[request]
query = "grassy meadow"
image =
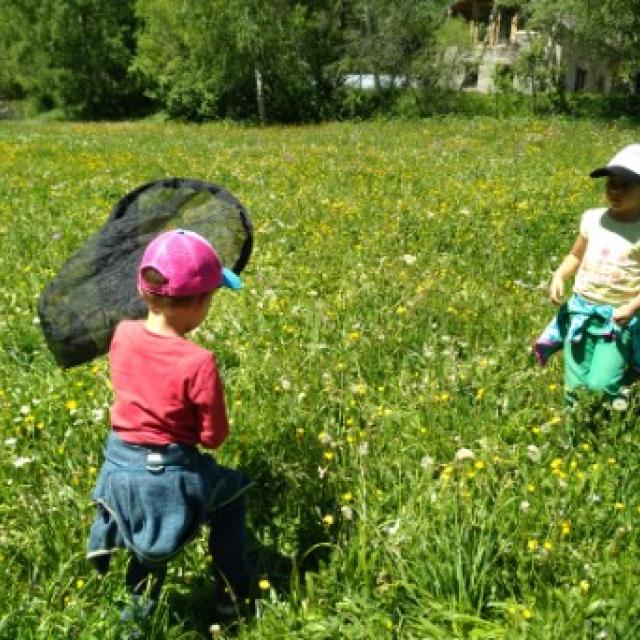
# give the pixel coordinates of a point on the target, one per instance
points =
(416, 475)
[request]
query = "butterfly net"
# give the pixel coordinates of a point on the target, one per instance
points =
(97, 288)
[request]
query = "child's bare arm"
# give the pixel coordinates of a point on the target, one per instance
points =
(623, 314)
(567, 268)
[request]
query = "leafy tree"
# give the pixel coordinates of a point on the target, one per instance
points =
(248, 58)
(391, 38)
(73, 54)
(602, 28)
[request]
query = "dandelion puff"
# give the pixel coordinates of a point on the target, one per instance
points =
(619, 404)
(392, 528)
(524, 506)
(533, 453)
(463, 454)
(427, 463)
(285, 384)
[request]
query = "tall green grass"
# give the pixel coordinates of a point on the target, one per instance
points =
(398, 280)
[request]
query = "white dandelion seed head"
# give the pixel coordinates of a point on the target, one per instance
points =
(21, 461)
(463, 454)
(347, 512)
(392, 529)
(533, 453)
(427, 463)
(620, 404)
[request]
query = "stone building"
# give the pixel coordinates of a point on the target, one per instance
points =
(500, 34)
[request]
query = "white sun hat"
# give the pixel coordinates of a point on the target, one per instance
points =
(624, 165)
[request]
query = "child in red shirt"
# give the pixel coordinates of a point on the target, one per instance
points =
(156, 487)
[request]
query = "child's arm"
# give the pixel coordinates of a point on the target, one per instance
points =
(566, 269)
(623, 314)
(207, 394)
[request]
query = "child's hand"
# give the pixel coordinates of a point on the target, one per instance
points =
(622, 315)
(556, 289)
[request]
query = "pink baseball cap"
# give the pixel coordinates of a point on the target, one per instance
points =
(189, 264)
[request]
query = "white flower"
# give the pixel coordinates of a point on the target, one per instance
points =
(285, 384)
(25, 409)
(524, 506)
(363, 448)
(392, 529)
(534, 453)
(427, 463)
(619, 404)
(21, 461)
(408, 259)
(10, 442)
(464, 454)
(98, 414)
(347, 512)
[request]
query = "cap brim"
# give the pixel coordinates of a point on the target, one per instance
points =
(619, 172)
(230, 280)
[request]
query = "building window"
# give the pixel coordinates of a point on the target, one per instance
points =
(470, 80)
(581, 79)
(506, 19)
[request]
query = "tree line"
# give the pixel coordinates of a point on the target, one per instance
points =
(272, 60)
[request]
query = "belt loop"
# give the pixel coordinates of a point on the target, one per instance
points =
(155, 462)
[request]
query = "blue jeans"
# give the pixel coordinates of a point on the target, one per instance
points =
(227, 546)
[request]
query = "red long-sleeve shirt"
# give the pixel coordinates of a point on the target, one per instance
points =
(167, 389)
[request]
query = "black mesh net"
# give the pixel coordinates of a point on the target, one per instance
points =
(96, 288)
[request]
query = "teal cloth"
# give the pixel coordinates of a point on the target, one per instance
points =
(578, 317)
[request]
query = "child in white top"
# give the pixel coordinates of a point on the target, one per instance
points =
(606, 261)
